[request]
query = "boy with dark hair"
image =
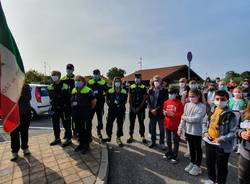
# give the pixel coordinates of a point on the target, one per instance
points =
(219, 135)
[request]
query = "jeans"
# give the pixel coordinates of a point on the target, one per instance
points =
(217, 160)
(152, 129)
(22, 131)
(194, 143)
(176, 141)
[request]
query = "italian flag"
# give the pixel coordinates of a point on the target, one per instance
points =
(12, 76)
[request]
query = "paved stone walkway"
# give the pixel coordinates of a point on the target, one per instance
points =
(49, 164)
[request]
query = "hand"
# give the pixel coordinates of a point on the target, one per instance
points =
(154, 112)
(245, 135)
(171, 114)
(133, 109)
(164, 113)
(137, 110)
(179, 132)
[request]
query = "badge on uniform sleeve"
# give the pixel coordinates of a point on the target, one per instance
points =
(74, 103)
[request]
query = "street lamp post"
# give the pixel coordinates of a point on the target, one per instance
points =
(189, 58)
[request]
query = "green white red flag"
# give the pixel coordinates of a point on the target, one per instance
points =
(12, 76)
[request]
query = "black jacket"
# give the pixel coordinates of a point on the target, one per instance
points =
(163, 96)
(24, 100)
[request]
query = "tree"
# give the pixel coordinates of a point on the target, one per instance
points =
(115, 72)
(245, 75)
(33, 76)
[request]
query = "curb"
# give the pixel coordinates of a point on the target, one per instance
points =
(102, 177)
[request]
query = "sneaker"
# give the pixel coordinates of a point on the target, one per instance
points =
(209, 182)
(108, 139)
(168, 156)
(119, 142)
(163, 147)
(67, 142)
(143, 140)
(130, 140)
(173, 161)
(26, 152)
(151, 145)
(189, 167)
(195, 171)
(14, 157)
(55, 142)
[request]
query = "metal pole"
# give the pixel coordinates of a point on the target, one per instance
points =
(189, 67)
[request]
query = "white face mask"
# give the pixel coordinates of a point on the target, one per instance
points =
(117, 84)
(137, 81)
(245, 86)
(172, 96)
(193, 86)
(182, 85)
(54, 78)
(221, 104)
(237, 95)
(222, 87)
(156, 84)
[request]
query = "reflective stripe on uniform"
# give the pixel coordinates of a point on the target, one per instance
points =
(100, 82)
(84, 90)
(133, 86)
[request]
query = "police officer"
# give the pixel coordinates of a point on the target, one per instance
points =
(22, 131)
(99, 88)
(82, 103)
(137, 102)
(69, 80)
(59, 94)
(116, 100)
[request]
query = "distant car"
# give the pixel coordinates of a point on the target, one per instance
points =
(40, 101)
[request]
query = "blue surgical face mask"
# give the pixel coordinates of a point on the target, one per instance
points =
(172, 96)
(137, 81)
(79, 84)
(117, 84)
(96, 77)
(69, 71)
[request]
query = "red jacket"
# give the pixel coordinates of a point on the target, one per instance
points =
(175, 106)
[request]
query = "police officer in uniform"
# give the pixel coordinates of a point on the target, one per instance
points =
(99, 88)
(116, 101)
(82, 104)
(137, 102)
(59, 94)
(69, 80)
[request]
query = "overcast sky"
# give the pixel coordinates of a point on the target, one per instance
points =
(106, 33)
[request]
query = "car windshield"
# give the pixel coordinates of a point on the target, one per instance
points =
(43, 91)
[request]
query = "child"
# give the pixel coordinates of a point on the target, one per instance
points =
(219, 137)
(172, 110)
(237, 104)
(191, 123)
(244, 160)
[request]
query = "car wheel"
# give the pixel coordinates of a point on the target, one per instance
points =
(33, 114)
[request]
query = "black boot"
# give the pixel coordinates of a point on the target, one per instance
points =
(55, 142)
